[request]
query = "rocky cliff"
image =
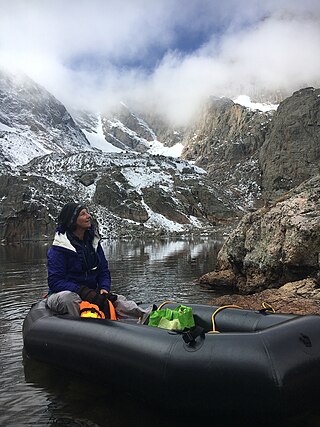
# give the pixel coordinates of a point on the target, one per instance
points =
(225, 141)
(258, 155)
(273, 246)
(134, 130)
(291, 151)
(126, 130)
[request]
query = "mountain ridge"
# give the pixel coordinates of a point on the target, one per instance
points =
(222, 153)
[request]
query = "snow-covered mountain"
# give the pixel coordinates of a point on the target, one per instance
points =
(127, 130)
(129, 194)
(47, 159)
(33, 122)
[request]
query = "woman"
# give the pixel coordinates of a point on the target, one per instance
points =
(78, 269)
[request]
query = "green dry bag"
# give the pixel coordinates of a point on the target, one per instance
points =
(178, 319)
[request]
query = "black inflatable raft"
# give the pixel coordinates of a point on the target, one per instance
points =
(257, 362)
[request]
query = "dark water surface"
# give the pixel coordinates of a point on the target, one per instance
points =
(33, 394)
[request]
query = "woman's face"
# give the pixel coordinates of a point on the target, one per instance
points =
(83, 220)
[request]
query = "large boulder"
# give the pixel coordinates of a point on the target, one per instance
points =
(273, 245)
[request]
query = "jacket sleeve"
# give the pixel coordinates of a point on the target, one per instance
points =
(57, 272)
(104, 277)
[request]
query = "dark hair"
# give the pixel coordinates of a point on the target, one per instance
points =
(69, 214)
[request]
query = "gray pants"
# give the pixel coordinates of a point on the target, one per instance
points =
(65, 302)
(127, 309)
(68, 302)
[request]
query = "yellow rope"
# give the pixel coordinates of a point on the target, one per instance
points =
(164, 303)
(217, 311)
(268, 308)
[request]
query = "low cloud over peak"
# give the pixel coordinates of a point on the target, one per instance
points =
(95, 53)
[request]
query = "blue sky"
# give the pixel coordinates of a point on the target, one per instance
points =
(165, 53)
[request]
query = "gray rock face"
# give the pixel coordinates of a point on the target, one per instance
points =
(131, 129)
(273, 245)
(258, 156)
(222, 122)
(29, 207)
(164, 131)
(115, 193)
(291, 151)
(225, 141)
(127, 131)
(277, 246)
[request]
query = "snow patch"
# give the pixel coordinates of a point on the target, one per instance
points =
(162, 222)
(98, 140)
(246, 102)
(156, 147)
(140, 178)
(6, 128)
(20, 149)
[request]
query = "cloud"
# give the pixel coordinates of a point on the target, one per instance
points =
(168, 53)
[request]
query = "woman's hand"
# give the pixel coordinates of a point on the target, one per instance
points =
(110, 296)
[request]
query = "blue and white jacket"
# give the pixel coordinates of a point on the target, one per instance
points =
(73, 263)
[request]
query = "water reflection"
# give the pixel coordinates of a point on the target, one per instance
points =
(161, 270)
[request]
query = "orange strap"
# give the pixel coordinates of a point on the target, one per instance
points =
(113, 315)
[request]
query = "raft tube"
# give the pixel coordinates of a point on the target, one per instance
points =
(245, 361)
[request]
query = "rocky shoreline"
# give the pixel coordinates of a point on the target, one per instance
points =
(273, 255)
(300, 297)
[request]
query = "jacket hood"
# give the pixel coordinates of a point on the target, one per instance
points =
(62, 240)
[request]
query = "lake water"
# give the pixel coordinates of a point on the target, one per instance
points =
(33, 394)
